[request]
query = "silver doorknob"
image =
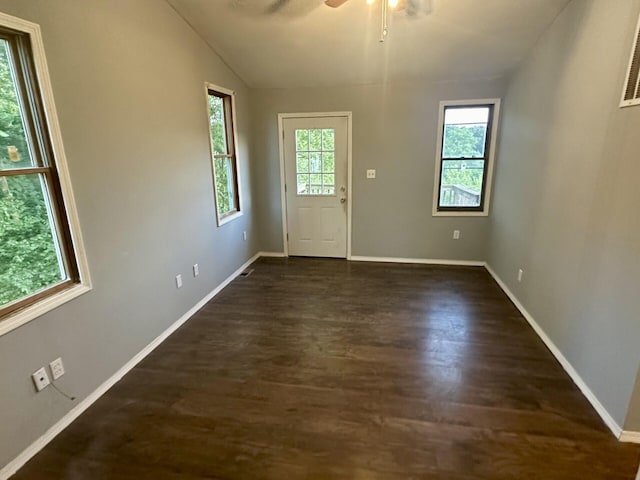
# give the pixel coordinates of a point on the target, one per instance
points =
(343, 200)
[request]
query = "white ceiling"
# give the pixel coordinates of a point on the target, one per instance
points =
(308, 44)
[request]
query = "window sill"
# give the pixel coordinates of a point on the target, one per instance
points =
(460, 214)
(229, 217)
(45, 305)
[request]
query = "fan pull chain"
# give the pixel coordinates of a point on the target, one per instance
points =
(384, 26)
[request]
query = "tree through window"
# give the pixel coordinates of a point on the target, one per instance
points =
(36, 258)
(465, 156)
(222, 136)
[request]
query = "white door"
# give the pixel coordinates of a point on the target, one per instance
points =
(315, 163)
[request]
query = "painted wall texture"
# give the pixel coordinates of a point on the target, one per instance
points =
(566, 196)
(128, 79)
(394, 132)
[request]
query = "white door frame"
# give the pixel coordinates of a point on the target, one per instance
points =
(283, 196)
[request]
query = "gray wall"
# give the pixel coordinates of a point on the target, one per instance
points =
(632, 422)
(566, 196)
(394, 131)
(128, 79)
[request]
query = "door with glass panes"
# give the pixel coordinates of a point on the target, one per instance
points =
(315, 157)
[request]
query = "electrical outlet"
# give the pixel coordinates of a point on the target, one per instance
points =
(40, 379)
(371, 173)
(456, 234)
(179, 281)
(196, 270)
(57, 368)
(520, 273)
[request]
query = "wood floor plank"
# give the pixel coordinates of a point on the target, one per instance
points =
(327, 369)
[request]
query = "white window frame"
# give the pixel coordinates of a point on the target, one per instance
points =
(34, 310)
(627, 79)
(491, 157)
(224, 219)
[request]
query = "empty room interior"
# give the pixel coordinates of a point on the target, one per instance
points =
(309, 239)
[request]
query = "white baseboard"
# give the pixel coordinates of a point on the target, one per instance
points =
(13, 466)
(630, 437)
(423, 261)
(586, 391)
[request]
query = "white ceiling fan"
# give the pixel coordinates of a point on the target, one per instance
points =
(294, 8)
(298, 8)
(412, 8)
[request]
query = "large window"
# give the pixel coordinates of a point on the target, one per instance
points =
(37, 257)
(466, 138)
(223, 148)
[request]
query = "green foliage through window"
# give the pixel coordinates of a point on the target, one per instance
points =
(462, 141)
(464, 156)
(29, 255)
(28, 258)
(315, 161)
(223, 153)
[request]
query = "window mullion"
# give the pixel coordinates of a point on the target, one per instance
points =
(228, 122)
(463, 159)
(61, 224)
(27, 94)
(24, 171)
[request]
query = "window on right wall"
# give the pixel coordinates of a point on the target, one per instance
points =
(631, 92)
(467, 132)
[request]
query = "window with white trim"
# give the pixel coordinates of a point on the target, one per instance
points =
(631, 91)
(38, 258)
(221, 109)
(464, 162)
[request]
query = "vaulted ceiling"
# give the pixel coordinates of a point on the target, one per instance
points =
(304, 43)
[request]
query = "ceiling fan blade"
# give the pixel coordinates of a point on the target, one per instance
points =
(277, 9)
(334, 3)
(276, 6)
(416, 8)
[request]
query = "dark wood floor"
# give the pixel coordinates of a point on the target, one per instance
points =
(323, 369)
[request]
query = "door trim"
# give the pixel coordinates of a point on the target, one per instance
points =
(283, 197)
